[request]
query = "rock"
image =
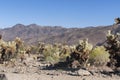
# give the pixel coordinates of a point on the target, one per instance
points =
(83, 79)
(82, 72)
(75, 64)
(3, 77)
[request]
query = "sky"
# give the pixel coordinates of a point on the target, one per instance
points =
(65, 13)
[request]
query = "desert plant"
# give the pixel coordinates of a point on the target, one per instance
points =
(3, 47)
(28, 50)
(50, 54)
(113, 47)
(117, 20)
(41, 47)
(81, 53)
(7, 50)
(10, 49)
(65, 51)
(19, 43)
(3, 51)
(99, 56)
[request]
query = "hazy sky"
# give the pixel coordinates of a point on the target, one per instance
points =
(66, 13)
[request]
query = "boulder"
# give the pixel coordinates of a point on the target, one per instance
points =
(82, 72)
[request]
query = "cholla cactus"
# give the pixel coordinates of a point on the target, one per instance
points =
(12, 46)
(0, 37)
(9, 49)
(113, 47)
(64, 52)
(28, 50)
(51, 53)
(18, 41)
(81, 53)
(41, 47)
(117, 20)
(3, 51)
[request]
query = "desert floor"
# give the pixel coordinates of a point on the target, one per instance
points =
(31, 69)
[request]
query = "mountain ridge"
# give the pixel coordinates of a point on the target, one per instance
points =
(34, 33)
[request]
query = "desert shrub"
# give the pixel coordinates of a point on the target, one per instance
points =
(99, 56)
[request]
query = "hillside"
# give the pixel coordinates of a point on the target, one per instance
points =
(33, 33)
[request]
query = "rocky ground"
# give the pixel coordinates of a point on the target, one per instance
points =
(31, 69)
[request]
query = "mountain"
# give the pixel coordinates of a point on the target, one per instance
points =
(32, 34)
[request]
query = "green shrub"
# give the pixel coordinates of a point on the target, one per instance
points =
(99, 56)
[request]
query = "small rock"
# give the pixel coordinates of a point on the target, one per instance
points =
(52, 77)
(93, 72)
(3, 70)
(3, 77)
(83, 79)
(82, 72)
